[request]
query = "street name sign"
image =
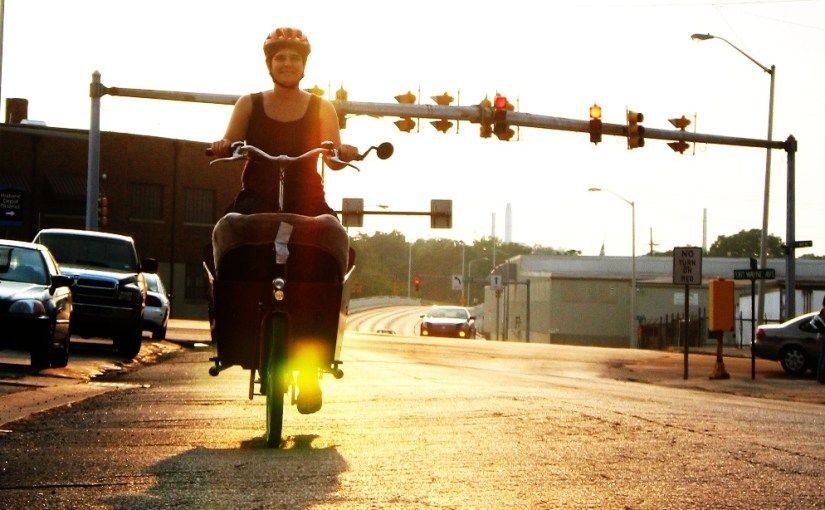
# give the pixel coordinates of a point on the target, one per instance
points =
(687, 266)
(754, 274)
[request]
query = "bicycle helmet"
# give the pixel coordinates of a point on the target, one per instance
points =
(286, 37)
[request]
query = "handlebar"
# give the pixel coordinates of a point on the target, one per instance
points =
(242, 150)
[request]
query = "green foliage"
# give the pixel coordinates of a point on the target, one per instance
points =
(385, 264)
(745, 244)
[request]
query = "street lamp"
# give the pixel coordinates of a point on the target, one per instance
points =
(633, 339)
(763, 238)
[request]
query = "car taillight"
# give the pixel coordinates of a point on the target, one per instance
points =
(760, 332)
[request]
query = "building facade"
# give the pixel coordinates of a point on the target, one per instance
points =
(160, 191)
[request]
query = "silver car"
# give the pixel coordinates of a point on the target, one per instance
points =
(158, 307)
(794, 344)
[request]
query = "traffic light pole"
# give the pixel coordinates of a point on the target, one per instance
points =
(483, 114)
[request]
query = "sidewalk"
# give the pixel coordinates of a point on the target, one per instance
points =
(770, 382)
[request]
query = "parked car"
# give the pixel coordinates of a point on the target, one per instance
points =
(452, 321)
(110, 290)
(158, 308)
(35, 303)
(794, 344)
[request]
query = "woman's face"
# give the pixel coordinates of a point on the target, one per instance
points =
(287, 67)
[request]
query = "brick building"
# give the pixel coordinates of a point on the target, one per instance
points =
(160, 191)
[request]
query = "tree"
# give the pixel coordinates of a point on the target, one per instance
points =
(745, 244)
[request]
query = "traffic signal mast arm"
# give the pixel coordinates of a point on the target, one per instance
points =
(474, 114)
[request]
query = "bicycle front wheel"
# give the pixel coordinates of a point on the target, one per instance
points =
(275, 379)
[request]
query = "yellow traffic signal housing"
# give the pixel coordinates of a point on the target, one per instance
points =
(679, 146)
(500, 127)
(408, 98)
(442, 125)
(406, 124)
(443, 100)
(486, 130)
(316, 90)
(102, 210)
(635, 132)
(595, 123)
(720, 305)
(681, 123)
(341, 95)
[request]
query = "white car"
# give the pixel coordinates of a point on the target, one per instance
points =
(158, 308)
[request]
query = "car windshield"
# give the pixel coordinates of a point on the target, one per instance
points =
(89, 251)
(448, 313)
(22, 265)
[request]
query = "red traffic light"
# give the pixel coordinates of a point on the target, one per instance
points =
(500, 102)
(417, 282)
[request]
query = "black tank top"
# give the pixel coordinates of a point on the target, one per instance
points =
(303, 188)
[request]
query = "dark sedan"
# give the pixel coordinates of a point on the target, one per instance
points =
(453, 321)
(793, 343)
(35, 303)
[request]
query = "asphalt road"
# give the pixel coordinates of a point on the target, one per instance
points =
(432, 423)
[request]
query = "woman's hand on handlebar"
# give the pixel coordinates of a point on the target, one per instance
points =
(348, 153)
(221, 149)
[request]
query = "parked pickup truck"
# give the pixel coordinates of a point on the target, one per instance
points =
(109, 293)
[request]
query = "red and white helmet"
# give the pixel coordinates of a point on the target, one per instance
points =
(286, 37)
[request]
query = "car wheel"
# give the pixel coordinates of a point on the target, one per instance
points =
(40, 353)
(793, 360)
(128, 344)
(159, 332)
(60, 356)
(41, 348)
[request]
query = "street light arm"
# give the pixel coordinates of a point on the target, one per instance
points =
(628, 202)
(705, 37)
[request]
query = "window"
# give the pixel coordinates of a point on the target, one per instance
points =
(146, 202)
(199, 207)
(195, 283)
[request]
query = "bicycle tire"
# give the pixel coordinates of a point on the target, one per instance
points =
(275, 379)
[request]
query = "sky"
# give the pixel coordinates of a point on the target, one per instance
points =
(552, 58)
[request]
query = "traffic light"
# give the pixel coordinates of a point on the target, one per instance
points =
(680, 146)
(595, 123)
(486, 130)
(442, 125)
(102, 210)
(635, 132)
(417, 283)
(316, 91)
(500, 127)
(406, 124)
(341, 95)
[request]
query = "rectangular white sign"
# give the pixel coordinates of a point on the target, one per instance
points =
(687, 266)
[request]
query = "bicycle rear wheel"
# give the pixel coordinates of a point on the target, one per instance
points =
(275, 379)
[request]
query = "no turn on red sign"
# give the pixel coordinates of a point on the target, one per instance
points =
(687, 266)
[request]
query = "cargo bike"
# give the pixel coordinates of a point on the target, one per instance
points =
(279, 292)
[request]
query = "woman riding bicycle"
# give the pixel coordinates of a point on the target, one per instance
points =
(283, 120)
(290, 121)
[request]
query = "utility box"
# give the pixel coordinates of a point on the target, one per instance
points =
(720, 305)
